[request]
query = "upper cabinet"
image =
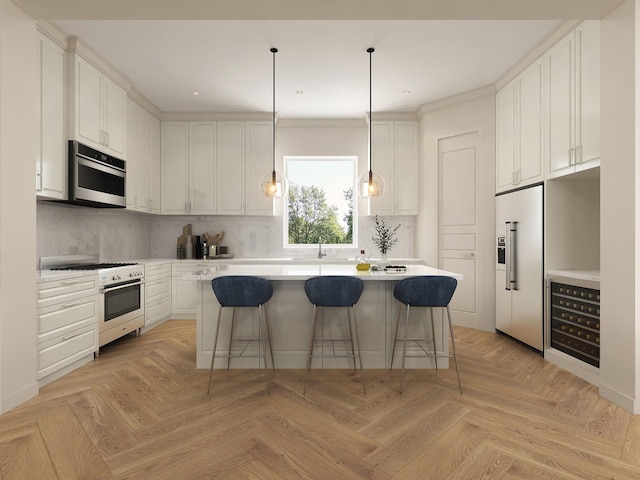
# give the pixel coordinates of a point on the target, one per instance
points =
(188, 162)
(573, 102)
(98, 109)
(244, 156)
(519, 127)
(143, 160)
(52, 161)
(174, 156)
(394, 156)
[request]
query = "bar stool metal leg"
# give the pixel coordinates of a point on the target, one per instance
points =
(310, 351)
(266, 318)
(453, 345)
(263, 339)
(395, 336)
(404, 348)
(355, 327)
(233, 322)
(353, 350)
(433, 337)
(213, 354)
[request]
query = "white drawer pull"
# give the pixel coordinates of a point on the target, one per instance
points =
(69, 337)
(70, 304)
(71, 282)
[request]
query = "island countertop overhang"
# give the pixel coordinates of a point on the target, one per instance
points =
(305, 271)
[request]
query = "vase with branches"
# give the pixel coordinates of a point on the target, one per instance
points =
(385, 236)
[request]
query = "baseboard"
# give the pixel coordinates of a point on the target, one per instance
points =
(620, 399)
(19, 398)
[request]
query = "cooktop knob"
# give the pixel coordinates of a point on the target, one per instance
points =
(116, 277)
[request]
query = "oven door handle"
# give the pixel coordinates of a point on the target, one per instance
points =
(126, 285)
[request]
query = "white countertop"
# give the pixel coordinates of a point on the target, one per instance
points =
(303, 272)
(588, 275)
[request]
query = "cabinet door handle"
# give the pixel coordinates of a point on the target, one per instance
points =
(578, 155)
(69, 337)
(71, 282)
(106, 138)
(70, 304)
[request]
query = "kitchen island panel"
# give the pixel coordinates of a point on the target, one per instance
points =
(290, 317)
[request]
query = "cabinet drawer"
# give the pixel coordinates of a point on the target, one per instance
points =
(66, 349)
(153, 272)
(59, 319)
(157, 311)
(157, 288)
(62, 291)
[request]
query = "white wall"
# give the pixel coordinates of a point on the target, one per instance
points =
(472, 112)
(18, 126)
(619, 209)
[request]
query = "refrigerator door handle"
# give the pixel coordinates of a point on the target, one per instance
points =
(507, 256)
(513, 264)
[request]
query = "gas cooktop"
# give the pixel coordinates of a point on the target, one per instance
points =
(78, 262)
(92, 266)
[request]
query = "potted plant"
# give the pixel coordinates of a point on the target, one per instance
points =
(385, 237)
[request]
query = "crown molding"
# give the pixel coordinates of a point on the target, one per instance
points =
(215, 116)
(537, 51)
(78, 47)
(458, 99)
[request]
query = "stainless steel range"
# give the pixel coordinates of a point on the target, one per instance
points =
(121, 302)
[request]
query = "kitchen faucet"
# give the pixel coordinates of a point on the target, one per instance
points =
(320, 254)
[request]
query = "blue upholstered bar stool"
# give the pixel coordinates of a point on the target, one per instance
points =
(425, 291)
(237, 291)
(334, 291)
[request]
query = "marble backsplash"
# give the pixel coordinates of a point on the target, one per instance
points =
(120, 235)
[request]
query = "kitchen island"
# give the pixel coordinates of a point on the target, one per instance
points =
(290, 315)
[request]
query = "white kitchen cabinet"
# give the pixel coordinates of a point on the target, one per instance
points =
(154, 164)
(244, 155)
(202, 168)
(174, 156)
(98, 109)
(142, 168)
(67, 316)
(573, 102)
(184, 294)
(157, 294)
(52, 161)
(395, 157)
(188, 168)
(519, 130)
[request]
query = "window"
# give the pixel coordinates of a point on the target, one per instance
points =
(320, 202)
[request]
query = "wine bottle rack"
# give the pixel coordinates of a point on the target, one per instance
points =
(575, 322)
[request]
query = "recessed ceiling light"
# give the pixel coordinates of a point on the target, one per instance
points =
(299, 92)
(406, 92)
(195, 93)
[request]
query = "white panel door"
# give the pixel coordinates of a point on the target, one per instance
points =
(88, 109)
(174, 157)
(458, 159)
(259, 150)
(115, 123)
(588, 95)
(202, 167)
(230, 176)
(505, 136)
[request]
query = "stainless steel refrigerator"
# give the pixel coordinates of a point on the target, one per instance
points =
(519, 265)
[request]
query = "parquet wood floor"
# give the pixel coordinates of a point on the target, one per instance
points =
(140, 411)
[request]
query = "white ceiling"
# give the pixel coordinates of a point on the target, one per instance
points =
(224, 52)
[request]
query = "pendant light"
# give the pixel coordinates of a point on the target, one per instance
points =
(273, 184)
(370, 184)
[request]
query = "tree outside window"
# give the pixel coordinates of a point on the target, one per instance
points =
(320, 205)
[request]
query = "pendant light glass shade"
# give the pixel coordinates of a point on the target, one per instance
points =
(274, 184)
(370, 184)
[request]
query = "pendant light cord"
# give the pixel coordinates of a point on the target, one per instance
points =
(370, 51)
(273, 156)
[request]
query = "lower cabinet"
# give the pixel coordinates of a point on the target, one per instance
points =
(184, 293)
(67, 316)
(157, 294)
